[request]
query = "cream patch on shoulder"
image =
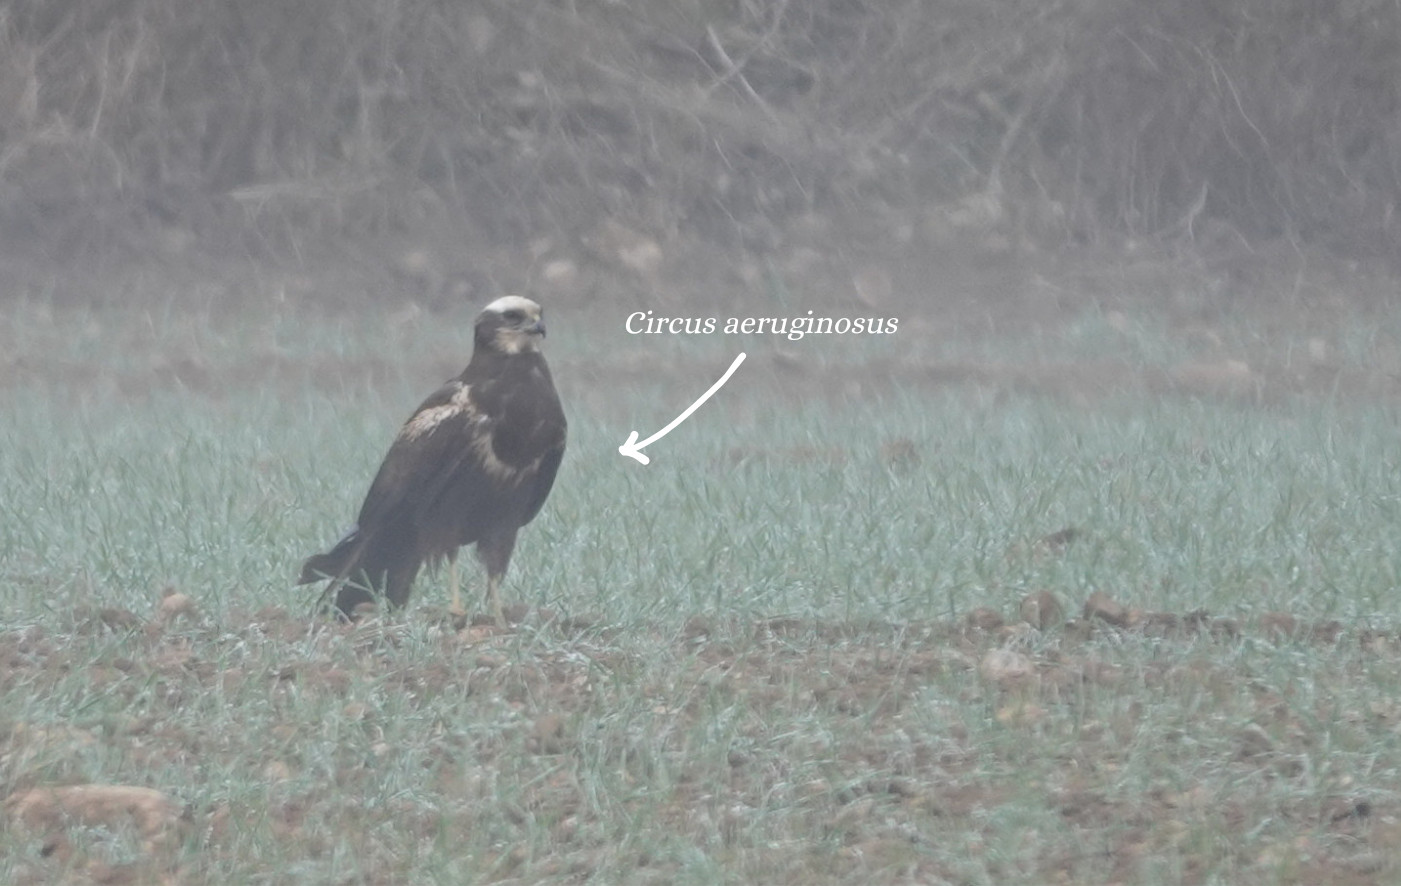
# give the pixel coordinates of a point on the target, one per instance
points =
(427, 421)
(485, 450)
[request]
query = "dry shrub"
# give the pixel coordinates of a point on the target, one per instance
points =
(728, 119)
(1277, 119)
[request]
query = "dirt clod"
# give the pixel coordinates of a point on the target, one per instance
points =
(984, 619)
(175, 605)
(1041, 610)
(1103, 607)
(51, 810)
(1007, 669)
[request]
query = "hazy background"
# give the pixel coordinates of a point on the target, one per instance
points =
(893, 156)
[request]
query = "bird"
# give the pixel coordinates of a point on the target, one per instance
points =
(472, 465)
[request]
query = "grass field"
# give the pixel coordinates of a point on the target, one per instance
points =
(793, 649)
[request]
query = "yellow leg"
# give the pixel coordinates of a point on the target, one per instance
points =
(456, 588)
(493, 597)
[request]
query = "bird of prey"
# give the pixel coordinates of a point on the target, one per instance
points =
(473, 464)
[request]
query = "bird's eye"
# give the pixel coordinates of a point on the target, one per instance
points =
(513, 315)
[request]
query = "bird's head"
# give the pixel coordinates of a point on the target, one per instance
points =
(511, 325)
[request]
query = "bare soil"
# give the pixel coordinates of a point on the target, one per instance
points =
(884, 789)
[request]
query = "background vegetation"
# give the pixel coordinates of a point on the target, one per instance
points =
(274, 126)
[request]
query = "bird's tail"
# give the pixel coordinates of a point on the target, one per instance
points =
(335, 563)
(362, 570)
(339, 564)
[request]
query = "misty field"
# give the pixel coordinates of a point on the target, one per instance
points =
(1086, 572)
(1096, 609)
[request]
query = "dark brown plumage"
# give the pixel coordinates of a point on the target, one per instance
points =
(473, 464)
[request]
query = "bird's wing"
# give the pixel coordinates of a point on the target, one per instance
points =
(429, 448)
(544, 478)
(527, 438)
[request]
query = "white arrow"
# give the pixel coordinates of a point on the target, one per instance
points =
(633, 449)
